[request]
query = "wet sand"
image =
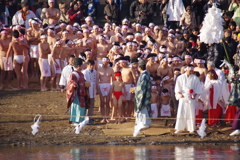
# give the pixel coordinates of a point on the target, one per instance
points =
(18, 109)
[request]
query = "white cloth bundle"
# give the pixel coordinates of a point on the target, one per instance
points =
(212, 30)
(35, 126)
(79, 127)
(201, 131)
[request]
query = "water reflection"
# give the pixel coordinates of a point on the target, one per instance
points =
(165, 152)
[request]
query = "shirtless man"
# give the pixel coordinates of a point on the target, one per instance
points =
(118, 90)
(134, 69)
(151, 66)
(117, 32)
(56, 65)
(171, 45)
(164, 69)
(18, 48)
(105, 77)
(5, 68)
(187, 61)
(71, 36)
(138, 37)
(68, 50)
(107, 30)
(154, 101)
(87, 40)
(51, 38)
(129, 51)
(79, 48)
(25, 61)
(52, 13)
(201, 69)
(33, 35)
(176, 63)
(44, 50)
(102, 50)
(180, 44)
(128, 80)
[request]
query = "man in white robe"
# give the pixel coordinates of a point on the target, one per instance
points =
(90, 75)
(67, 70)
(187, 87)
(19, 19)
(174, 11)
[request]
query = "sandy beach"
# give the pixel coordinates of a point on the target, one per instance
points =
(18, 109)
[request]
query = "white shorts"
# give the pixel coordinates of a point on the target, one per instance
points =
(128, 94)
(57, 69)
(165, 110)
(154, 110)
(99, 63)
(34, 53)
(64, 62)
(105, 88)
(7, 66)
(19, 58)
(45, 68)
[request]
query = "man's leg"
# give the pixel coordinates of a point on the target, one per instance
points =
(25, 72)
(17, 69)
(31, 65)
(3, 73)
(57, 81)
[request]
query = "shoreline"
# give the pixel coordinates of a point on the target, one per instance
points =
(15, 129)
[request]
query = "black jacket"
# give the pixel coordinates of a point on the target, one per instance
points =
(148, 10)
(215, 54)
(112, 11)
(133, 7)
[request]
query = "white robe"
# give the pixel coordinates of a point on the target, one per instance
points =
(218, 90)
(224, 86)
(91, 77)
(67, 70)
(18, 20)
(175, 10)
(186, 107)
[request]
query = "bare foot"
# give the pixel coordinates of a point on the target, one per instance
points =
(17, 89)
(103, 121)
(127, 120)
(44, 89)
(119, 122)
(10, 86)
(25, 87)
(53, 89)
(1, 87)
(107, 120)
(58, 89)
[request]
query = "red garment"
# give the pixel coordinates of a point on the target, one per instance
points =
(199, 116)
(76, 78)
(214, 113)
(72, 16)
(117, 94)
(230, 113)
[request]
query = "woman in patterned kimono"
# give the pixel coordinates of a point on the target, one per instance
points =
(76, 94)
(142, 97)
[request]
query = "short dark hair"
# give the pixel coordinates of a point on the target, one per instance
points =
(71, 56)
(90, 62)
(15, 34)
(142, 67)
(157, 78)
(188, 45)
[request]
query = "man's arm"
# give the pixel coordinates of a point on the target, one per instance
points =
(9, 50)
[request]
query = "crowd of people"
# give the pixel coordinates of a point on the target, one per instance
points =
(162, 71)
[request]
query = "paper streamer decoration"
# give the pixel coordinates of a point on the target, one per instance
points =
(35, 126)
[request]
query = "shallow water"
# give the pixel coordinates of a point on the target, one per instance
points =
(221, 151)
